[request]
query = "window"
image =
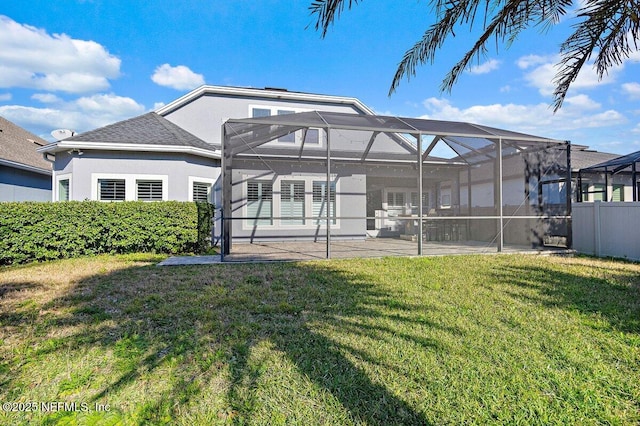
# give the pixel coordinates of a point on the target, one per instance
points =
(395, 203)
(111, 189)
(618, 193)
(260, 112)
(149, 190)
(320, 201)
(598, 192)
(312, 137)
(414, 202)
(63, 190)
(445, 200)
(201, 192)
(554, 192)
(585, 192)
(292, 202)
(259, 202)
(291, 137)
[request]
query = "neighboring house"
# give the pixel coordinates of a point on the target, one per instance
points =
(552, 188)
(24, 174)
(612, 178)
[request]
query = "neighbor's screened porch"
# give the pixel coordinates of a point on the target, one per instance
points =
(319, 184)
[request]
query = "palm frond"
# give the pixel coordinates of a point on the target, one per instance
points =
(610, 29)
(328, 11)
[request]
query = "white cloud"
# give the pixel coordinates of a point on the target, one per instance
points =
(632, 90)
(542, 71)
(5, 96)
(485, 68)
(539, 119)
(158, 105)
(33, 59)
(505, 89)
(82, 114)
(109, 103)
(583, 102)
(529, 61)
(179, 77)
(46, 98)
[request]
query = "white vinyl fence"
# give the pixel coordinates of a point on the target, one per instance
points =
(607, 229)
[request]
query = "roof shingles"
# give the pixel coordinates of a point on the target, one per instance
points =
(16, 146)
(146, 129)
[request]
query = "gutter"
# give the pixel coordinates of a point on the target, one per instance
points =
(263, 93)
(79, 145)
(25, 167)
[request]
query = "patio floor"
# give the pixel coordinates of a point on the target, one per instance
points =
(373, 247)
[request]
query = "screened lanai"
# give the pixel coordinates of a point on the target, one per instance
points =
(613, 180)
(338, 185)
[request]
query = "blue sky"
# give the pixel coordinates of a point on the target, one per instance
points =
(81, 64)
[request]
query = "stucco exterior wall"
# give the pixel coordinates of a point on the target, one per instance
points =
(350, 201)
(83, 171)
(22, 185)
(205, 116)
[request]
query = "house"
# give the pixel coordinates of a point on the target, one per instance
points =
(611, 178)
(174, 153)
(24, 174)
(291, 166)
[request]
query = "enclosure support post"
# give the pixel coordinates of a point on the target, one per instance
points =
(579, 188)
(469, 190)
(500, 209)
(569, 184)
(225, 235)
(420, 207)
(605, 197)
(634, 184)
(328, 192)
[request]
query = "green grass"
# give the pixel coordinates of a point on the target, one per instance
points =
(447, 340)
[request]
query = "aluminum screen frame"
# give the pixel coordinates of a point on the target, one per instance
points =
(474, 144)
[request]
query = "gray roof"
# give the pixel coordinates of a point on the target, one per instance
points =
(16, 146)
(146, 129)
(581, 159)
(617, 163)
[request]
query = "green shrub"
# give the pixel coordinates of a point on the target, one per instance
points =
(44, 231)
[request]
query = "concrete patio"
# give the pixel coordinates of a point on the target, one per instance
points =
(373, 247)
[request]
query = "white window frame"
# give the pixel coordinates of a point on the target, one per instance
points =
(249, 223)
(65, 176)
(149, 180)
(425, 206)
(298, 134)
(208, 181)
(276, 206)
(407, 200)
(129, 184)
(288, 222)
(322, 220)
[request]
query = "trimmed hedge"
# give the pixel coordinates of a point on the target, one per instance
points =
(43, 231)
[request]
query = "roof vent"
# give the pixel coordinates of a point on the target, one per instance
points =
(278, 89)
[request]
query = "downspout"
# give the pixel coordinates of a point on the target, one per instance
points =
(45, 156)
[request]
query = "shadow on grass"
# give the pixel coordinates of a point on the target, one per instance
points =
(197, 323)
(613, 294)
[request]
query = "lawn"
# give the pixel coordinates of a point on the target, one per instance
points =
(446, 340)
